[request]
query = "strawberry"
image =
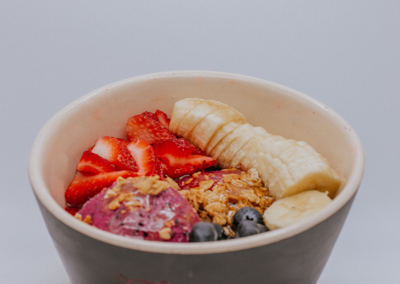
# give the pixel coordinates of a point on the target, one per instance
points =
(178, 161)
(145, 158)
(114, 150)
(147, 127)
(84, 186)
(163, 118)
(72, 210)
(93, 163)
(183, 143)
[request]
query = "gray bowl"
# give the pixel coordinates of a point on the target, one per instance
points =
(295, 254)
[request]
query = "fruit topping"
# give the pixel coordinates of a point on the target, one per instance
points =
(293, 209)
(184, 144)
(114, 150)
(247, 213)
(84, 186)
(72, 210)
(145, 158)
(247, 228)
(221, 235)
(286, 166)
(178, 161)
(203, 232)
(163, 118)
(147, 127)
(93, 163)
(141, 208)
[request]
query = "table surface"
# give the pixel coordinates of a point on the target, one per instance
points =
(343, 53)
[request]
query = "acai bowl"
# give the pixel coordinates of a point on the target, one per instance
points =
(294, 254)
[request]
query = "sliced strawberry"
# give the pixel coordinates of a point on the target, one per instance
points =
(116, 152)
(163, 118)
(72, 210)
(147, 127)
(93, 163)
(84, 186)
(183, 143)
(177, 161)
(145, 158)
(123, 141)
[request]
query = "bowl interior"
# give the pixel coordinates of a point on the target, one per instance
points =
(278, 109)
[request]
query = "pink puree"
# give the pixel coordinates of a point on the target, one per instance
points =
(142, 224)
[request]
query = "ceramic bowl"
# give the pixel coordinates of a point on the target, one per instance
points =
(295, 254)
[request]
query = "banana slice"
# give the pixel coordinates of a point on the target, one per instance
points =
(195, 115)
(293, 209)
(204, 131)
(220, 134)
(243, 134)
(181, 108)
(215, 153)
(252, 149)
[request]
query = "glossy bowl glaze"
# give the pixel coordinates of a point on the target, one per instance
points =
(295, 254)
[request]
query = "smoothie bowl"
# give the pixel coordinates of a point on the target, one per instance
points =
(291, 253)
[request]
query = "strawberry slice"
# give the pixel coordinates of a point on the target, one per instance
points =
(183, 143)
(93, 163)
(147, 127)
(163, 118)
(84, 186)
(177, 161)
(72, 210)
(114, 150)
(145, 158)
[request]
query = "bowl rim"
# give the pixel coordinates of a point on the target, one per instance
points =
(45, 198)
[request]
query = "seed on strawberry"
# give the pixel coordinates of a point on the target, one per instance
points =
(114, 150)
(147, 127)
(93, 163)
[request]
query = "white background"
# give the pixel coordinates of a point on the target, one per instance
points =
(343, 53)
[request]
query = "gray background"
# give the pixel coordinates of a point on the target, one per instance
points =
(343, 53)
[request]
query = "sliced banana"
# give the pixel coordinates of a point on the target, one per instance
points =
(181, 108)
(253, 148)
(215, 153)
(195, 115)
(220, 134)
(225, 158)
(293, 209)
(286, 166)
(204, 131)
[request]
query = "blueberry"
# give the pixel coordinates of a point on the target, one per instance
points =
(203, 232)
(220, 232)
(247, 213)
(247, 228)
(262, 228)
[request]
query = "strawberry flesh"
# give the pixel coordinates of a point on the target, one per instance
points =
(93, 163)
(72, 210)
(163, 118)
(85, 186)
(182, 143)
(114, 150)
(145, 158)
(177, 161)
(147, 127)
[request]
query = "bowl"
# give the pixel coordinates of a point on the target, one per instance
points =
(294, 254)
